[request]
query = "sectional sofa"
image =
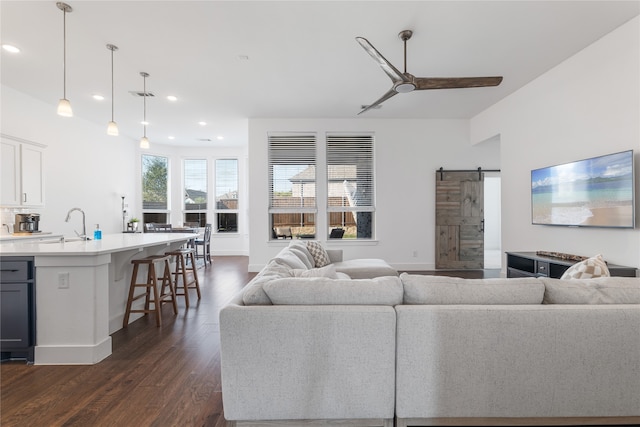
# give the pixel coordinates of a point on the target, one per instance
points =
(427, 350)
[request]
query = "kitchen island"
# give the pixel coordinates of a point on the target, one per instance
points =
(81, 289)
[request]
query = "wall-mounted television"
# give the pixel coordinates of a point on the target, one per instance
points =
(595, 192)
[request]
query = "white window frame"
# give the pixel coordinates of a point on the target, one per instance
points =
(186, 211)
(294, 149)
(217, 211)
(345, 149)
(144, 210)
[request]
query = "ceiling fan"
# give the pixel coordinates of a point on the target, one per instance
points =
(405, 82)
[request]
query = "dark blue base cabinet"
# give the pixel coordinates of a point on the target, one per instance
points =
(17, 308)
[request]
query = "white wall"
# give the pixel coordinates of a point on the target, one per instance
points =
(407, 154)
(86, 168)
(587, 106)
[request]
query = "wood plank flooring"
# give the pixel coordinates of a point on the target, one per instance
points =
(167, 376)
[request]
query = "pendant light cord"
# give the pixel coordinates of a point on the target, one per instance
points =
(64, 52)
(112, 101)
(144, 104)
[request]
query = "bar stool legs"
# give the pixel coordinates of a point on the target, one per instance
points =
(153, 294)
(185, 278)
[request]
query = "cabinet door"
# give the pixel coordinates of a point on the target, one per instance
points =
(14, 315)
(32, 176)
(10, 160)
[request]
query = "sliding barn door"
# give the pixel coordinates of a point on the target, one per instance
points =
(459, 220)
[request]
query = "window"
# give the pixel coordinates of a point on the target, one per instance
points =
(292, 185)
(155, 195)
(350, 188)
(227, 195)
(195, 192)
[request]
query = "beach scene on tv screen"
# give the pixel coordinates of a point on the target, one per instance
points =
(594, 192)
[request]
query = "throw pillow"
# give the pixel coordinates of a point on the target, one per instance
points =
(588, 269)
(318, 253)
(328, 271)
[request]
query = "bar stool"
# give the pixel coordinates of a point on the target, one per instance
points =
(181, 271)
(152, 294)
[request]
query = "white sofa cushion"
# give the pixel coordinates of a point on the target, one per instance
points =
(301, 251)
(253, 294)
(603, 290)
(365, 268)
(328, 271)
(588, 269)
(291, 258)
(419, 289)
(324, 291)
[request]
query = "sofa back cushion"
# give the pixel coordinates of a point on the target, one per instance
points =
(253, 294)
(324, 291)
(293, 258)
(602, 290)
(432, 290)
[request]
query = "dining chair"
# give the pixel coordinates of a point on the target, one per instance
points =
(205, 242)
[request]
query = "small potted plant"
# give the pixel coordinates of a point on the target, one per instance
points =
(133, 224)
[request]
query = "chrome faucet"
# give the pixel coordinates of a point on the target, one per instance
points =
(83, 236)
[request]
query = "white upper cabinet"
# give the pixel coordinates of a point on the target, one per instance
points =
(22, 173)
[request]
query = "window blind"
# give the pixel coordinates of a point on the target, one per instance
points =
(292, 172)
(350, 172)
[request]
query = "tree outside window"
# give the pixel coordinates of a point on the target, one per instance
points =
(155, 195)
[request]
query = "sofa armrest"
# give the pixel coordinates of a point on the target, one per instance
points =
(307, 362)
(335, 255)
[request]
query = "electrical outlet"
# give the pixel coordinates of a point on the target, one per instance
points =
(415, 254)
(63, 280)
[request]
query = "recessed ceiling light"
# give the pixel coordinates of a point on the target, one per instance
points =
(10, 48)
(220, 137)
(172, 137)
(172, 98)
(98, 97)
(144, 123)
(202, 123)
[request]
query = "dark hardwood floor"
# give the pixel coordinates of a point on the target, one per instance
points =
(167, 376)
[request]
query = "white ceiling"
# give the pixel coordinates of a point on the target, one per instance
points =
(303, 59)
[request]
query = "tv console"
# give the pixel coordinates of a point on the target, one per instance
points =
(530, 264)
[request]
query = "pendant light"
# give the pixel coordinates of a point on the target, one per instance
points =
(64, 106)
(144, 142)
(112, 127)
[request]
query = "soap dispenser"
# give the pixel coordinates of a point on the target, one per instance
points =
(97, 234)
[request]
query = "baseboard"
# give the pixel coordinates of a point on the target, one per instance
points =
(371, 422)
(526, 421)
(73, 354)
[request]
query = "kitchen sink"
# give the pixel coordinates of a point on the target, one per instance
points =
(63, 240)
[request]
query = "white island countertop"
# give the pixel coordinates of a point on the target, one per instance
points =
(81, 289)
(109, 243)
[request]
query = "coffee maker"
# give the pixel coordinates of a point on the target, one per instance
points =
(27, 223)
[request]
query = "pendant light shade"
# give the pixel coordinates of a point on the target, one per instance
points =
(64, 106)
(112, 127)
(144, 142)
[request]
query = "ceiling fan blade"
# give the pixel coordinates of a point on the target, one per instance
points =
(424, 83)
(384, 97)
(386, 66)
